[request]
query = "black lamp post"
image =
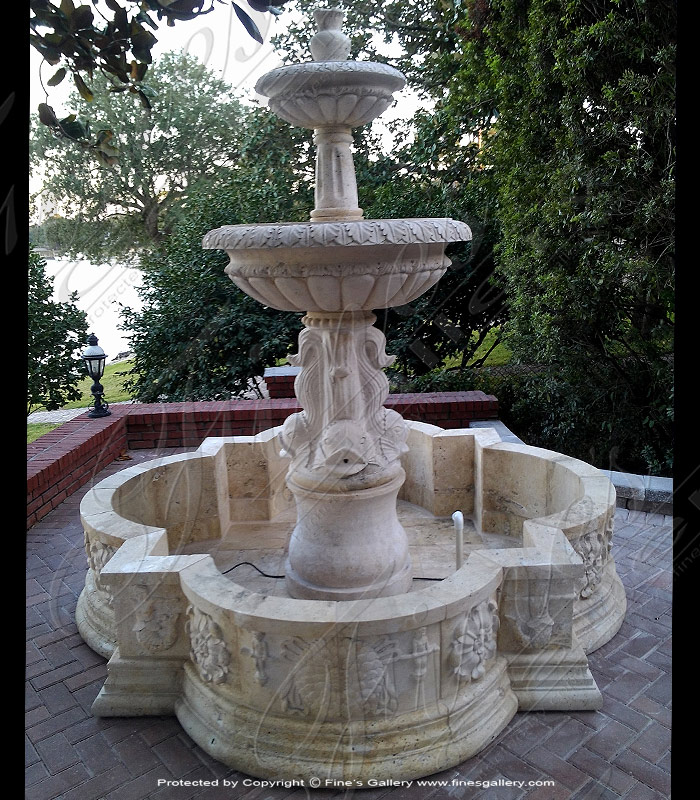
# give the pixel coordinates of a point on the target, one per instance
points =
(94, 358)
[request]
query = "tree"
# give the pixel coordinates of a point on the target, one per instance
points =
(584, 154)
(198, 337)
(450, 322)
(123, 203)
(56, 331)
(117, 46)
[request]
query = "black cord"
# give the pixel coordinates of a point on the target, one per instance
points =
(279, 577)
(264, 574)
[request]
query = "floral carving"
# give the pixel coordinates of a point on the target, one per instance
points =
(474, 642)
(98, 554)
(594, 548)
(155, 623)
(208, 649)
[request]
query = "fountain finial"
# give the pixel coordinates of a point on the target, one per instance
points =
(329, 43)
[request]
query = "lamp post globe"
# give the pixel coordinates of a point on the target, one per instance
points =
(94, 357)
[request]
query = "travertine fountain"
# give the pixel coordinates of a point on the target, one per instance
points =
(349, 667)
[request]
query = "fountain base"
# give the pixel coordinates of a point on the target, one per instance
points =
(348, 544)
(387, 688)
(428, 739)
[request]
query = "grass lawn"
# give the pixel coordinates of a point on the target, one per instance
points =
(499, 356)
(114, 393)
(37, 429)
(113, 388)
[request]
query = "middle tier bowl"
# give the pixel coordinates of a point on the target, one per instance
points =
(337, 266)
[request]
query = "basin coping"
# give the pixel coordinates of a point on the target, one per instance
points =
(636, 492)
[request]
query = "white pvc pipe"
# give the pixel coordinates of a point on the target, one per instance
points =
(458, 519)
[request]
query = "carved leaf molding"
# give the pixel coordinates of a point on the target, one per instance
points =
(336, 234)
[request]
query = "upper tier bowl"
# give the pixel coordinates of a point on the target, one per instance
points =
(319, 94)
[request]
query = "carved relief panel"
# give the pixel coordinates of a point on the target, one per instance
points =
(342, 677)
(208, 650)
(536, 610)
(594, 548)
(156, 619)
(98, 554)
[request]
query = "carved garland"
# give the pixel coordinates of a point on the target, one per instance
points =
(339, 269)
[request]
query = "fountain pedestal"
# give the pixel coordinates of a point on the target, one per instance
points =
(345, 447)
(348, 544)
(345, 473)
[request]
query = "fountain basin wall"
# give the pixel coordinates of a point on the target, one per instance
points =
(394, 687)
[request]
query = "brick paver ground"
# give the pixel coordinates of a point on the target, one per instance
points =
(621, 751)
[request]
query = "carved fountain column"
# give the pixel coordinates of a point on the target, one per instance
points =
(345, 473)
(345, 447)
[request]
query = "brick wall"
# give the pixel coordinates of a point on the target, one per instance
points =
(280, 381)
(63, 460)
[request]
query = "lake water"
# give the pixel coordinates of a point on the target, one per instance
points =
(101, 289)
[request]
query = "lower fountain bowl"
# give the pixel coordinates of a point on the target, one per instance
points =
(389, 687)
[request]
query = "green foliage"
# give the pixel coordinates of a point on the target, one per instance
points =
(114, 43)
(55, 332)
(198, 337)
(453, 319)
(554, 121)
(584, 157)
(115, 209)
